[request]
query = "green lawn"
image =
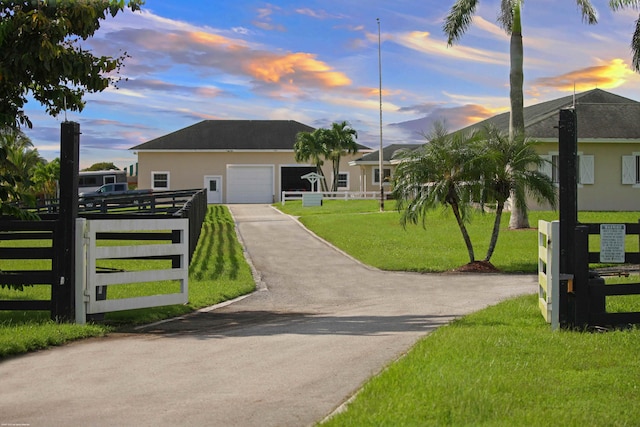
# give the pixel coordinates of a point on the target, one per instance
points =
(218, 272)
(502, 366)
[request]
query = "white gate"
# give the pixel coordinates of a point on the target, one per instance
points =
(87, 253)
(549, 271)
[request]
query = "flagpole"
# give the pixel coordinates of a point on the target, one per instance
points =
(380, 156)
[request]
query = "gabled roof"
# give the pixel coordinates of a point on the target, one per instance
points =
(601, 115)
(230, 135)
(387, 154)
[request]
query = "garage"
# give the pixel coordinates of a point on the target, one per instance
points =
(250, 184)
(290, 178)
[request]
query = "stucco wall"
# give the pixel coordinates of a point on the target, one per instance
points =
(607, 193)
(188, 169)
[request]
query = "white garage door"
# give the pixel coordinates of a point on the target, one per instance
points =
(250, 183)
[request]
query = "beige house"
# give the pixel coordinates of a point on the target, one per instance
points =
(369, 164)
(237, 161)
(608, 147)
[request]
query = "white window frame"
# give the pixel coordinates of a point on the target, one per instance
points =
(585, 165)
(348, 180)
(377, 182)
(631, 170)
(153, 180)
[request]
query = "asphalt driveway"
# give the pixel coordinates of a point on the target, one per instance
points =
(319, 325)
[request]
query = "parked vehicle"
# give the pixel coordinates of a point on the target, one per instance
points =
(88, 199)
(90, 181)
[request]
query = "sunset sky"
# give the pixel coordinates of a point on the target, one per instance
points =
(317, 62)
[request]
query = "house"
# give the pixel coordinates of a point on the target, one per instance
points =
(369, 164)
(237, 161)
(608, 146)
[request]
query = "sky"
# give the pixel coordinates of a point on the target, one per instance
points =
(319, 62)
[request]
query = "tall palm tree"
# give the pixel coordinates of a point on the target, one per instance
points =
(45, 178)
(441, 173)
(635, 38)
(510, 166)
(311, 147)
(341, 142)
(457, 23)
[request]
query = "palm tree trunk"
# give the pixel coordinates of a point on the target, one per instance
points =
(495, 232)
(519, 217)
(463, 230)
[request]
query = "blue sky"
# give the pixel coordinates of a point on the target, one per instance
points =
(317, 62)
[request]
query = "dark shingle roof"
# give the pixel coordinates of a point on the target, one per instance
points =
(600, 115)
(387, 153)
(231, 135)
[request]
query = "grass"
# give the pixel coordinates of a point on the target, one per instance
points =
(382, 242)
(503, 366)
(218, 272)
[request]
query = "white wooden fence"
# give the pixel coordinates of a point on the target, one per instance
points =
(87, 255)
(332, 195)
(549, 271)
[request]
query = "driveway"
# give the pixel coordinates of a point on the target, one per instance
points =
(289, 354)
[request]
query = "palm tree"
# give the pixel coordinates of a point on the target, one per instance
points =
(341, 141)
(511, 166)
(14, 177)
(311, 147)
(635, 39)
(459, 20)
(45, 178)
(441, 173)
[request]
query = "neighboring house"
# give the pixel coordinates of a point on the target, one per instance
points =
(608, 146)
(369, 164)
(237, 161)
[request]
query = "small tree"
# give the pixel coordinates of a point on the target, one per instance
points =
(46, 177)
(441, 173)
(341, 141)
(510, 167)
(311, 146)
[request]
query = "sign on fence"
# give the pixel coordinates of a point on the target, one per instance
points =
(612, 243)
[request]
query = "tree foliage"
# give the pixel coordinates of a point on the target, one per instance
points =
(326, 144)
(102, 166)
(462, 171)
(41, 54)
(458, 22)
(17, 159)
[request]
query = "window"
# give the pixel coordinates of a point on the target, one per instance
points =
(584, 167)
(160, 180)
(109, 179)
(343, 180)
(631, 169)
(376, 176)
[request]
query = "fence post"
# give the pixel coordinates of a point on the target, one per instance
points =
(81, 271)
(62, 292)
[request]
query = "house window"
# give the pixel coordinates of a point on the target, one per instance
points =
(376, 175)
(160, 180)
(631, 169)
(343, 180)
(584, 168)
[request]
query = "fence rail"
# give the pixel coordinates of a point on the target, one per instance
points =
(92, 281)
(14, 230)
(332, 195)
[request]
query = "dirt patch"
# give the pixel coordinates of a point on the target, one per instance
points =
(477, 267)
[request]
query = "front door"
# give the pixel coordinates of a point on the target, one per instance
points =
(213, 184)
